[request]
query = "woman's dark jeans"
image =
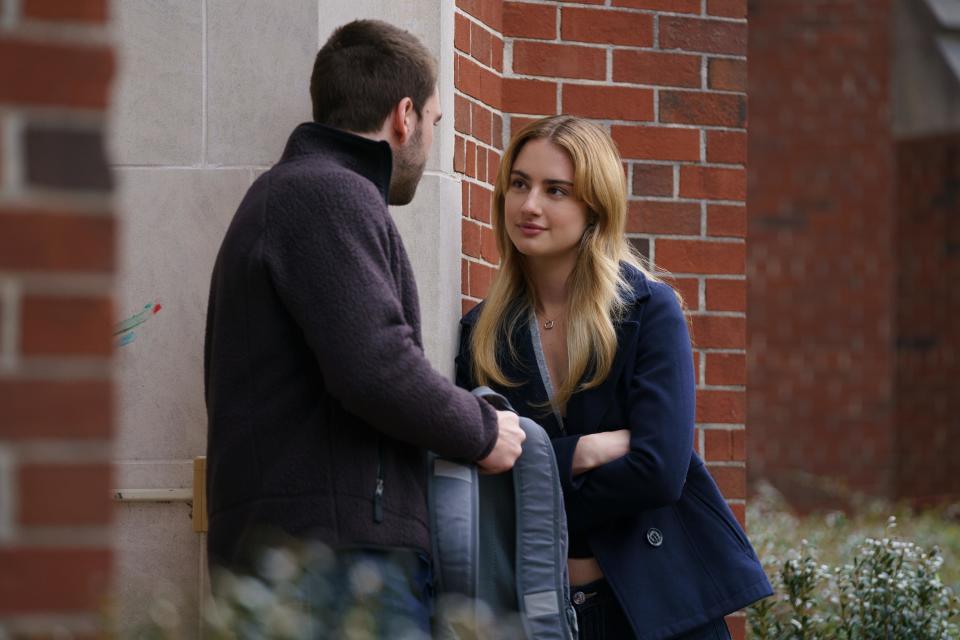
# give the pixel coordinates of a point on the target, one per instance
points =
(600, 616)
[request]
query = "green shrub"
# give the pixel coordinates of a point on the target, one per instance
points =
(871, 587)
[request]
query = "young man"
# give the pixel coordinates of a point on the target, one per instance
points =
(320, 401)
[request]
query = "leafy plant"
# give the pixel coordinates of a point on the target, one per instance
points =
(879, 587)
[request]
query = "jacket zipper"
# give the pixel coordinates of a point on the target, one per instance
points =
(378, 492)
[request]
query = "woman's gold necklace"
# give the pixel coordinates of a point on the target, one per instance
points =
(549, 324)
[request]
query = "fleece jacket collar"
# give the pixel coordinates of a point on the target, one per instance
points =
(372, 159)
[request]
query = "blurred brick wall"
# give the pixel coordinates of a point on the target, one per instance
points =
(667, 79)
(57, 235)
(821, 260)
(928, 318)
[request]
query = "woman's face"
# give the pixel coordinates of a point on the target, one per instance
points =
(542, 215)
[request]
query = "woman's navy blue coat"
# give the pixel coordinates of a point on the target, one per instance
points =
(666, 540)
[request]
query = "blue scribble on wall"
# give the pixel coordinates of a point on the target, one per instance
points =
(124, 329)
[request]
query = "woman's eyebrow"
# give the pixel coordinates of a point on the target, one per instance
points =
(547, 181)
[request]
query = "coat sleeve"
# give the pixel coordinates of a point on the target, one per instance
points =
(660, 413)
(463, 373)
(328, 249)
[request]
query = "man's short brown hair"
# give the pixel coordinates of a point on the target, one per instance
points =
(364, 70)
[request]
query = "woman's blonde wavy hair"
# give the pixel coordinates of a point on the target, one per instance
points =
(598, 289)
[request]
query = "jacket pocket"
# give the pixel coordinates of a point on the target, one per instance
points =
(725, 518)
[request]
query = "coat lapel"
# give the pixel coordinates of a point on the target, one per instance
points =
(586, 409)
(530, 397)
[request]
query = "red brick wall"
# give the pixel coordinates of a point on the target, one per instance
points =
(667, 78)
(820, 263)
(478, 120)
(57, 237)
(928, 318)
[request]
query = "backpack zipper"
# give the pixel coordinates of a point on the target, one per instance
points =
(378, 492)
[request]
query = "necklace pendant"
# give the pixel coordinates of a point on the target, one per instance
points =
(548, 324)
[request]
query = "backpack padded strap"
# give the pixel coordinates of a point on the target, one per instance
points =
(541, 538)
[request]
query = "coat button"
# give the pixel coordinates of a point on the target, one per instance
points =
(654, 537)
(579, 597)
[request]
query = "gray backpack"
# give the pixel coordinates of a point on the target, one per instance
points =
(500, 545)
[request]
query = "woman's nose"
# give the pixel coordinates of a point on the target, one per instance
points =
(531, 204)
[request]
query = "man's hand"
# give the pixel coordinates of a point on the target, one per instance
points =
(505, 452)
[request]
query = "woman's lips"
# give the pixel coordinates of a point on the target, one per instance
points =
(531, 230)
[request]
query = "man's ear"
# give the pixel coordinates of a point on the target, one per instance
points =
(403, 120)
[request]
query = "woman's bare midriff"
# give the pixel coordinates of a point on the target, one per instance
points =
(583, 570)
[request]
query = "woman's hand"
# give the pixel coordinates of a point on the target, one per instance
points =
(596, 449)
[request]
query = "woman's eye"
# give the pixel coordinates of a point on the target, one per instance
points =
(517, 184)
(557, 191)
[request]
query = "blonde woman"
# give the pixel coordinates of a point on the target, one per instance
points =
(581, 338)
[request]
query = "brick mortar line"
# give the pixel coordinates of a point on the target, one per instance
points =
(645, 123)
(9, 11)
(720, 426)
(62, 283)
(8, 497)
(79, 202)
(720, 351)
(457, 91)
(627, 85)
(42, 204)
(652, 12)
(10, 154)
(479, 63)
(727, 277)
(691, 53)
(485, 225)
(499, 74)
(59, 369)
(723, 387)
(11, 295)
(480, 143)
(715, 314)
(479, 261)
(63, 117)
(60, 451)
(59, 33)
(57, 537)
(477, 181)
(660, 273)
(701, 372)
(52, 623)
(475, 20)
(677, 236)
(730, 464)
(739, 203)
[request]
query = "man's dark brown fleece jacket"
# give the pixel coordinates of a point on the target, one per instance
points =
(321, 404)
